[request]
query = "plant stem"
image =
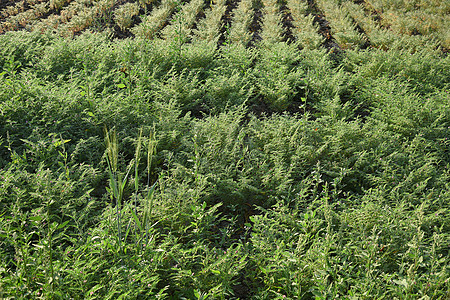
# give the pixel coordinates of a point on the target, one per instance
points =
(49, 249)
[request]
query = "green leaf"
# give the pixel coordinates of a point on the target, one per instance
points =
(38, 246)
(121, 86)
(36, 218)
(152, 189)
(136, 219)
(402, 282)
(62, 225)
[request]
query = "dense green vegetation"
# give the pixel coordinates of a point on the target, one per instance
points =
(160, 169)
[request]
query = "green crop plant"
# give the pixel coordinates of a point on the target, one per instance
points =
(117, 181)
(239, 31)
(209, 28)
(144, 225)
(305, 30)
(280, 84)
(57, 4)
(342, 27)
(123, 16)
(153, 22)
(231, 171)
(179, 30)
(272, 29)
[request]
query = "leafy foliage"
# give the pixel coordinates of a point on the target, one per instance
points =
(252, 173)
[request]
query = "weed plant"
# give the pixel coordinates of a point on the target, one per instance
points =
(338, 188)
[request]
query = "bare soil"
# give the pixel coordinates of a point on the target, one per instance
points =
(324, 28)
(287, 23)
(226, 20)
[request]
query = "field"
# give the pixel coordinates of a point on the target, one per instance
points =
(250, 149)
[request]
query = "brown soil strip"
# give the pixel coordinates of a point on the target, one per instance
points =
(259, 108)
(255, 27)
(367, 43)
(201, 15)
(324, 28)
(376, 15)
(226, 21)
(287, 23)
(359, 29)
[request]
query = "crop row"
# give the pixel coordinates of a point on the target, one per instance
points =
(76, 17)
(208, 28)
(153, 22)
(18, 16)
(60, 20)
(19, 7)
(272, 29)
(380, 23)
(305, 30)
(427, 18)
(243, 15)
(381, 37)
(342, 27)
(180, 27)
